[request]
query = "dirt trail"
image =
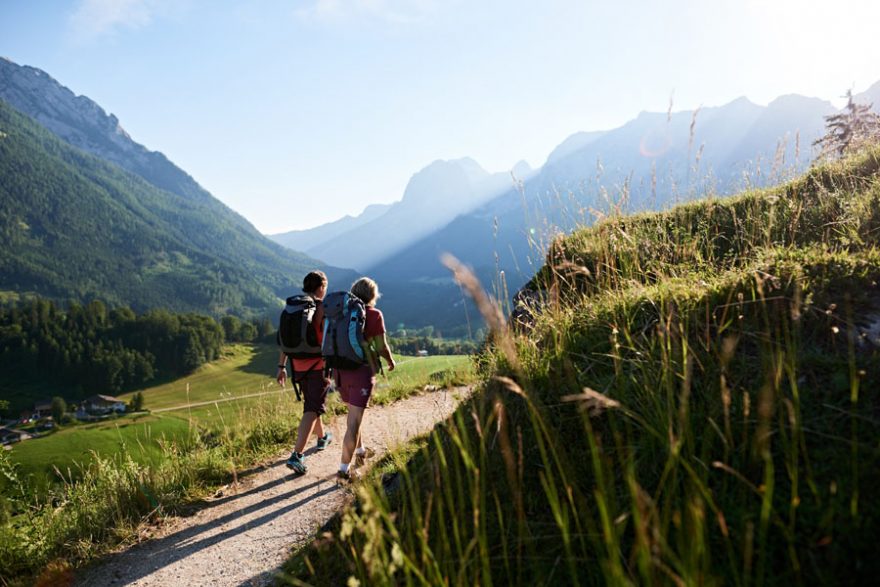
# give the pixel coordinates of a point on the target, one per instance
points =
(241, 537)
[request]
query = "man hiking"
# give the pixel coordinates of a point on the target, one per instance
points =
(299, 336)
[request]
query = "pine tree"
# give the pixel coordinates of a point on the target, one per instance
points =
(850, 130)
(137, 402)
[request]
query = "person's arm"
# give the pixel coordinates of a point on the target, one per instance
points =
(379, 345)
(281, 376)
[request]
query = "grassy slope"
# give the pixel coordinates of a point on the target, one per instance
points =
(71, 447)
(242, 371)
(697, 404)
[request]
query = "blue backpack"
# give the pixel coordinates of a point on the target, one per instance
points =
(344, 319)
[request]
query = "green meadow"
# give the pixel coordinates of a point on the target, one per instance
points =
(237, 389)
(64, 452)
(241, 370)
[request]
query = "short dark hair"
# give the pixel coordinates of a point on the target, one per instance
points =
(313, 281)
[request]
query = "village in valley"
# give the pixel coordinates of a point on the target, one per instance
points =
(47, 414)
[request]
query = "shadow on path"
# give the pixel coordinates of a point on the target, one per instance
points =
(188, 541)
(210, 503)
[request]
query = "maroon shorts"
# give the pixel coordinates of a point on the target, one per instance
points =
(356, 386)
(314, 390)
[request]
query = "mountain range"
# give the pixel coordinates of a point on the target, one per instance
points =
(651, 162)
(433, 197)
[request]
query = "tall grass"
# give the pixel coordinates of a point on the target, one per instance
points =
(696, 403)
(102, 502)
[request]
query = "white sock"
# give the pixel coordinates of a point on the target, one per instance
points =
(343, 467)
(360, 451)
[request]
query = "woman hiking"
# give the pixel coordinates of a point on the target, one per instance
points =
(308, 373)
(356, 385)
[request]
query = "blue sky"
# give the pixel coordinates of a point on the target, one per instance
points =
(297, 112)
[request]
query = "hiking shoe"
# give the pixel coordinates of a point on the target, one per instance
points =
(325, 440)
(350, 475)
(360, 460)
(296, 463)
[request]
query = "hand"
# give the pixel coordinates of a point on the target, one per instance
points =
(282, 377)
(391, 364)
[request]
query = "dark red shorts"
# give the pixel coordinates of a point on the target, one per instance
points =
(356, 386)
(314, 390)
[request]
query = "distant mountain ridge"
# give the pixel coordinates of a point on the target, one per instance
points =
(651, 161)
(433, 197)
(314, 238)
(98, 215)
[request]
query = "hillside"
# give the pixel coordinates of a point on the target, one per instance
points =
(692, 400)
(77, 227)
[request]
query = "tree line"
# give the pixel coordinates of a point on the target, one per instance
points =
(91, 349)
(411, 345)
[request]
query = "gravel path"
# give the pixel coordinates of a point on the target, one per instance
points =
(242, 536)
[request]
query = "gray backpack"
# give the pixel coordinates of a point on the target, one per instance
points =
(296, 332)
(344, 319)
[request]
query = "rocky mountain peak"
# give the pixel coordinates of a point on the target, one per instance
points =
(450, 178)
(84, 124)
(76, 119)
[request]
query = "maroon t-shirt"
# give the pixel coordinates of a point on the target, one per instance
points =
(375, 324)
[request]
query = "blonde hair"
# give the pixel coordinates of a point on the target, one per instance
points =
(367, 290)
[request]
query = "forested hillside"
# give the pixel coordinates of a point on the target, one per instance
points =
(46, 350)
(73, 226)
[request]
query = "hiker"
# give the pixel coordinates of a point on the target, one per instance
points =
(299, 336)
(355, 356)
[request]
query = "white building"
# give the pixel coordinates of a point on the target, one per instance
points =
(103, 404)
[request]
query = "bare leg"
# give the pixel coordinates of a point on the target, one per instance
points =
(352, 432)
(319, 425)
(306, 425)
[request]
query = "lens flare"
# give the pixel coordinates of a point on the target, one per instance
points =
(655, 142)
